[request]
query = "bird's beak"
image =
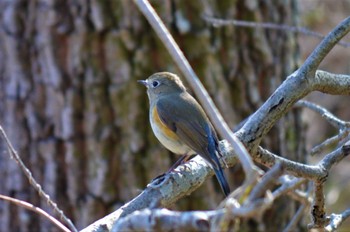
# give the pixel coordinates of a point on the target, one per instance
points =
(144, 82)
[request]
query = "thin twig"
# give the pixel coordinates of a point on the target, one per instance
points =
(296, 218)
(305, 205)
(309, 67)
(334, 157)
(216, 22)
(300, 196)
(35, 209)
(34, 183)
(254, 208)
(265, 182)
(288, 185)
(342, 126)
(330, 142)
(331, 118)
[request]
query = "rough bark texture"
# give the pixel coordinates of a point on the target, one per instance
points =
(72, 107)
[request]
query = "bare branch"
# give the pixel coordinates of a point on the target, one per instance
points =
(36, 210)
(342, 126)
(301, 196)
(331, 118)
(179, 182)
(318, 211)
(330, 83)
(157, 218)
(166, 220)
(309, 67)
(163, 219)
(216, 22)
(336, 220)
(288, 185)
(162, 191)
(254, 208)
(295, 87)
(186, 178)
(34, 183)
(334, 157)
(330, 142)
(311, 172)
(296, 218)
(266, 181)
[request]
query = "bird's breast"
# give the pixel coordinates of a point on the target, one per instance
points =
(166, 136)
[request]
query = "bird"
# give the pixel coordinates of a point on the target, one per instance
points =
(180, 123)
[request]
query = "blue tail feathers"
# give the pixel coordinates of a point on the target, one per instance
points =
(214, 161)
(222, 181)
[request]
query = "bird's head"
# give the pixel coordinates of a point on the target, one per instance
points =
(162, 83)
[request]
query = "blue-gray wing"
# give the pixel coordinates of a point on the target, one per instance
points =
(184, 116)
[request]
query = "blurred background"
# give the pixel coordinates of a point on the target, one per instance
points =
(73, 110)
(322, 16)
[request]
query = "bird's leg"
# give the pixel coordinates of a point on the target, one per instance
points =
(182, 160)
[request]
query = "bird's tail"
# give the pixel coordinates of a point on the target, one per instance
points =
(214, 160)
(222, 181)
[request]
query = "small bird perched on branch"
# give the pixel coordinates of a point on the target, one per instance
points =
(180, 123)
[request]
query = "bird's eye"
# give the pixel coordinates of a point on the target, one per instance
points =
(155, 84)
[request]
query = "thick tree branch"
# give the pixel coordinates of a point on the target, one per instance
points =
(289, 92)
(163, 191)
(166, 191)
(318, 211)
(166, 220)
(158, 218)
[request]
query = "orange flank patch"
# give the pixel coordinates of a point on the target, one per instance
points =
(162, 127)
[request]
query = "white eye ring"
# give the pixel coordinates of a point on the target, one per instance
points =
(155, 84)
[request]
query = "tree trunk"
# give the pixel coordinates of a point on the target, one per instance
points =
(71, 105)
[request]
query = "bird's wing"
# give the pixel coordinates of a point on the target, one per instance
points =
(184, 116)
